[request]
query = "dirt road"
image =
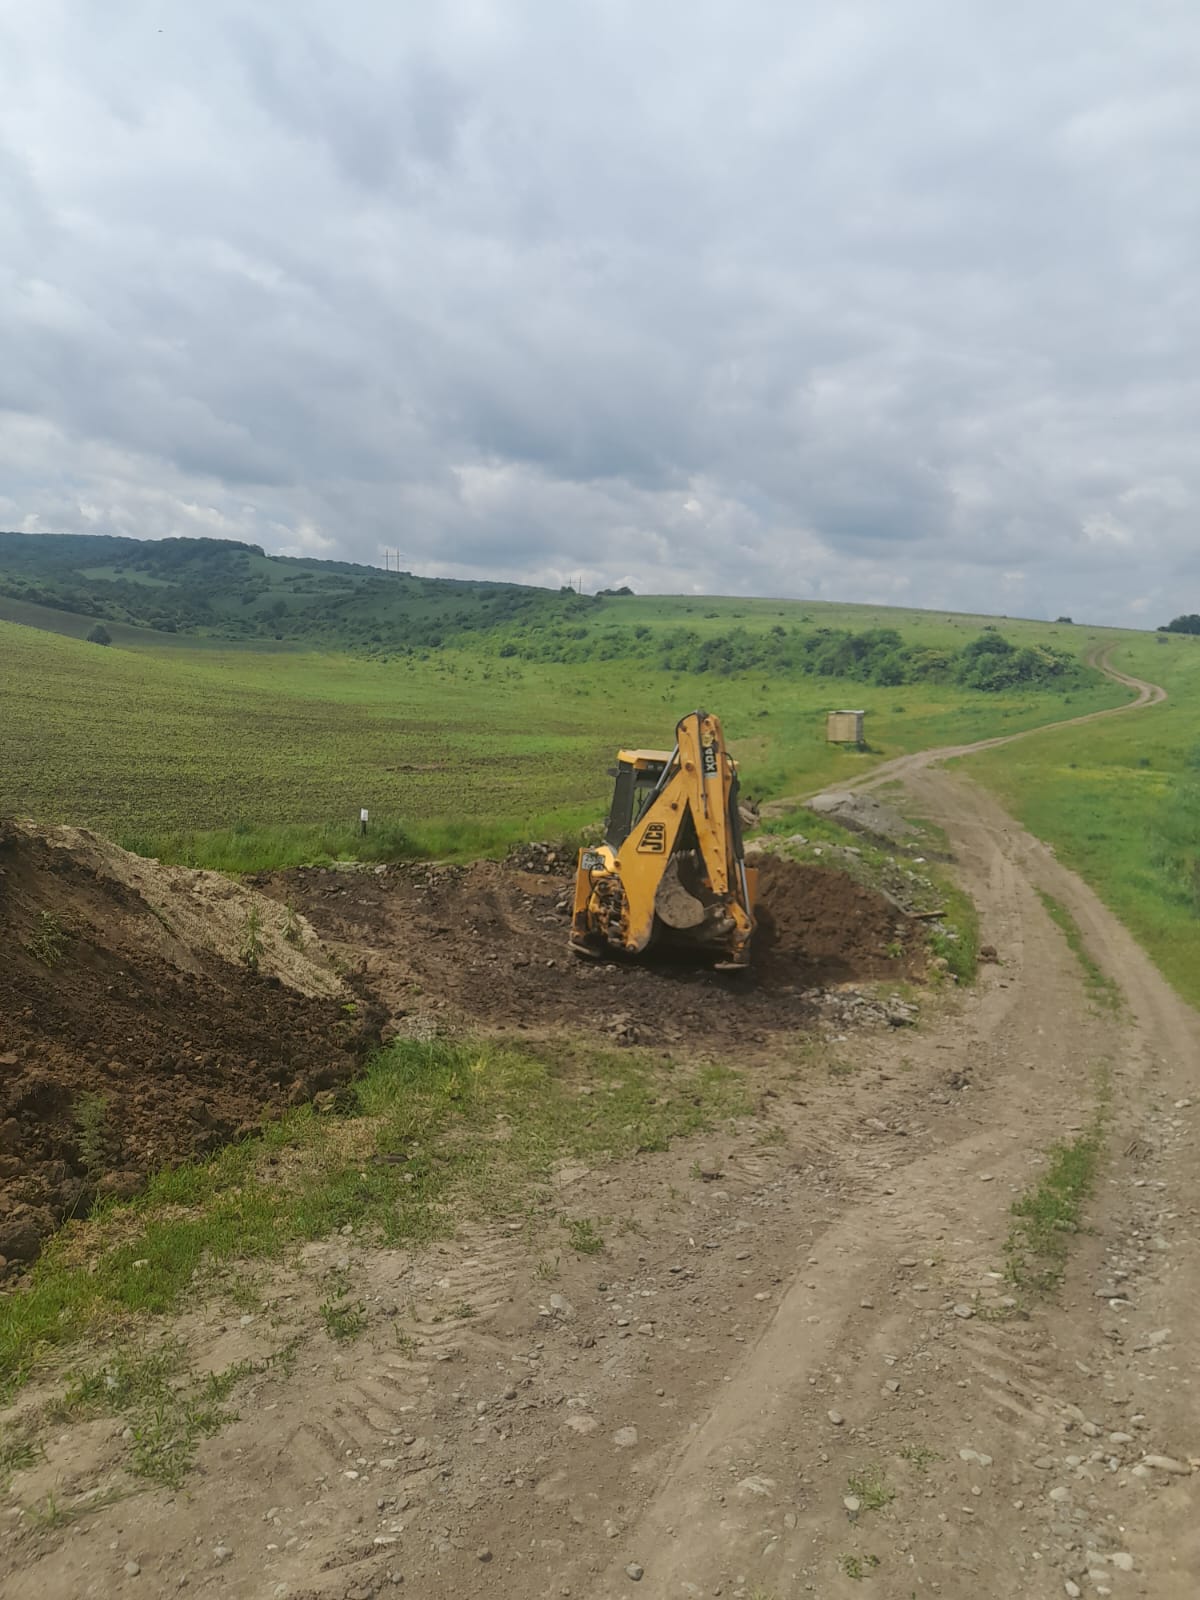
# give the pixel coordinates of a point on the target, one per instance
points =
(1062, 1405)
(796, 1368)
(1042, 1421)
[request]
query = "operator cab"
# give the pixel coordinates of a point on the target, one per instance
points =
(639, 775)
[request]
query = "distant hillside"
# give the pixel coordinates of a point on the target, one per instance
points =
(223, 589)
(216, 590)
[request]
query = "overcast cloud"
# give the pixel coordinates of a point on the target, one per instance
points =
(887, 300)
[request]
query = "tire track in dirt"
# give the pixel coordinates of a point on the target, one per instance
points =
(822, 1336)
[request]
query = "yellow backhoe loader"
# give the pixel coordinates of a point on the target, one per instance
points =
(671, 871)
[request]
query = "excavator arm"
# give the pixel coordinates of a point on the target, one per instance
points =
(671, 869)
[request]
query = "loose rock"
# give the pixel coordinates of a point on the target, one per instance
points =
(1167, 1464)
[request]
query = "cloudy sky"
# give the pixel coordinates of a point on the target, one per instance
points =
(887, 300)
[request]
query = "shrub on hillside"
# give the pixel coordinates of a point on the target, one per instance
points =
(877, 655)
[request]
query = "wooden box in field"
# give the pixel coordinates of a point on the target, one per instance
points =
(845, 727)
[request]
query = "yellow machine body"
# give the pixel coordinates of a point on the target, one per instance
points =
(671, 869)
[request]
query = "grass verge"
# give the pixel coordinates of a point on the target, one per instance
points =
(955, 936)
(1120, 802)
(1101, 988)
(434, 1130)
(1046, 1216)
(249, 847)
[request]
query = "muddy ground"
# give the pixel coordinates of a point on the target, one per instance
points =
(487, 945)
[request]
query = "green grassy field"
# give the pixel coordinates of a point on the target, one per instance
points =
(1120, 802)
(244, 757)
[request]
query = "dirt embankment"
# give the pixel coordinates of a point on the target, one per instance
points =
(147, 1014)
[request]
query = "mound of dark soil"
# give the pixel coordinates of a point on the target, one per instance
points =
(487, 944)
(819, 919)
(132, 1035)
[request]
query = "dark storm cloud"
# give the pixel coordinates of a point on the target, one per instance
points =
(882, 301)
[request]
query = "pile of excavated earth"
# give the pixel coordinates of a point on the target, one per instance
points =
(149, 1014)
(486, 944)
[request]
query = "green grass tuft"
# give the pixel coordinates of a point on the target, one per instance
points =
(584, 1236)
(871, 1486)
(1047, 1216)
(167, 1408)
(956, 941)
(857, 1567)
(48, 942)
(1101, 988)
(18, 1451)
(343, 1320)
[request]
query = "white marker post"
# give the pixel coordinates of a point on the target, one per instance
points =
(363, 816)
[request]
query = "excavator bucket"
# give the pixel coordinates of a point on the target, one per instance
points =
(670, 871)
(675, 905)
